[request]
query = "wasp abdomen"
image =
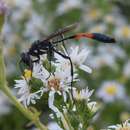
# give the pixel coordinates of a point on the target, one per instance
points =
(103, 38)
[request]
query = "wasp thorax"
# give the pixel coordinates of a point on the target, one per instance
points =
(54, 83)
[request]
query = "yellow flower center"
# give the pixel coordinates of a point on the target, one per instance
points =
(94, 14)
(54, 83)
(126, 31)
(27, 74)
(111, 90)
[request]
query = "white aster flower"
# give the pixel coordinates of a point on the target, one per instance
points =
(33, 26)
(115, 17)
(98, 28)
(109, 18)
(122, 32)
(83, 94)
(67, 5)
(91, 14)
(107, 55)
(20, 14)
(40, 72)
(113, 50)
(58, 82)
(22, 9)
(110, 91)
(123, 126)
(23, 4)
(78, 59)
(24, 94)
(101, 60)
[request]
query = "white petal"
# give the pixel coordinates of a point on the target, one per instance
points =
(85, 68)
(64, 96)
(113, 127)
(40, 72)
(51, 105)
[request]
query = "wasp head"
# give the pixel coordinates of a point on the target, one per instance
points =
(26, 59)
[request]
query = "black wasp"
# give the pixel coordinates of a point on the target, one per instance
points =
(48, 46)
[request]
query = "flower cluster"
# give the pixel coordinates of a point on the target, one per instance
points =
(56, 82)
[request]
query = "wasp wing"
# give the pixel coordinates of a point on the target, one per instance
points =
(61, 31)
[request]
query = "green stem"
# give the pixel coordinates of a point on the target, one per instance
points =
(3, 86)
(65, 123)
(68, 121)
(40, 125)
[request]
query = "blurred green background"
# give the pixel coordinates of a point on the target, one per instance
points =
(33, 19)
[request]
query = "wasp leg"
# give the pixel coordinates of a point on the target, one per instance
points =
(67, 57)
(63, 45)
(37, 60)
(50, 70)
(50, 54)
